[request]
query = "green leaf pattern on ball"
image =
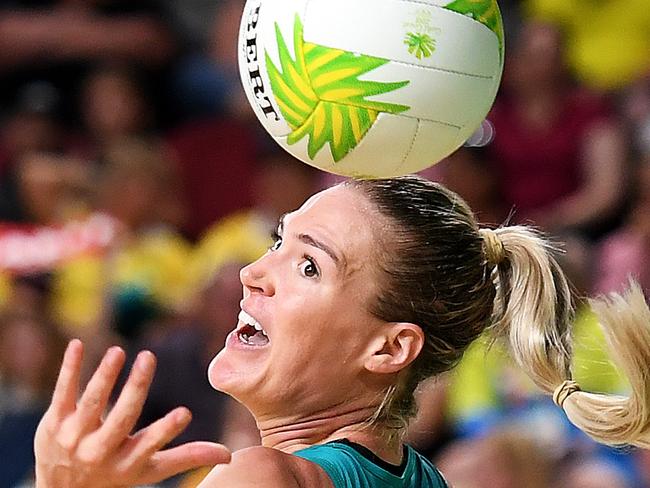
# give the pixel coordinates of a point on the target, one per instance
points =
(484, 11)
(321, 96)
(420, 45)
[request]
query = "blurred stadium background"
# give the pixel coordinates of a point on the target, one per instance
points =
(135, 181)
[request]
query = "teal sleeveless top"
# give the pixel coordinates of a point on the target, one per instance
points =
(350, 465)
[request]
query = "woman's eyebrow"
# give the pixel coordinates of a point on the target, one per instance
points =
(309, 240)
(338, 258)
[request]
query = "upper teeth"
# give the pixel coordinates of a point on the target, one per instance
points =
(250, 320)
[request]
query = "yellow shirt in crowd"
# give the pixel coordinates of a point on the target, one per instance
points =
(155, 262)
(608, 41)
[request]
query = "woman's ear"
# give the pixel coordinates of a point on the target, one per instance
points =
(397, 346)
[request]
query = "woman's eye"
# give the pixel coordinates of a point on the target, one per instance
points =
(308, 268)
(276, 245)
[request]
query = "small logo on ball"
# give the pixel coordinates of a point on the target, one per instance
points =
(420, 45)
(420, 41)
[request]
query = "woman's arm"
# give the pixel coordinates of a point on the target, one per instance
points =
(262, 466)
(76, 447)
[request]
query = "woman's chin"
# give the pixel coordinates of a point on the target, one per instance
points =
(228, 376)
(220, 373)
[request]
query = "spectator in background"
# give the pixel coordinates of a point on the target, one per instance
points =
(206, 81)
(113, 107)
(30, 348)
(30, 124)
(558, 151)
(46, 189)
(507, 459)
(28, 295)
(191, 20)
(58, 40)
(144, 276)
(607, 41)
(625, 253)
(592, 474)
(48, 166)
(138, 186)
(58, 30)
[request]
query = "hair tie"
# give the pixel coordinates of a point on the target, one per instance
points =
(495, 253)
(563, 391)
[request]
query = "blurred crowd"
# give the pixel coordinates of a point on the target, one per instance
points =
(135, 182)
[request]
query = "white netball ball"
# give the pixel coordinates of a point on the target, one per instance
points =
(371, 88)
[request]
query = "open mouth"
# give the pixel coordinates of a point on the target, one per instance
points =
(251, 331)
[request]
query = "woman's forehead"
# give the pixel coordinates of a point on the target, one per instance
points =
(339, 214)
(332, 205)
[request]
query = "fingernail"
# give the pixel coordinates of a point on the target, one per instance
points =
(73, 344)
(113, 355)
(182, 415)
(145, 360)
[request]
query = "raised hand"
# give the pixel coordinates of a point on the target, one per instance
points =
(75, 448)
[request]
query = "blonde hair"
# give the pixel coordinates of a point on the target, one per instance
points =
(532, 308)
(440, 271)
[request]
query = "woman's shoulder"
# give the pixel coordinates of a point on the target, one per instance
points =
(263, 466)
(349, 464)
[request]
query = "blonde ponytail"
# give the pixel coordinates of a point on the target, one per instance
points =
(620, 420)
(533, 309)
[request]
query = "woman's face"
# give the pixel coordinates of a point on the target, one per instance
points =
(310, 294)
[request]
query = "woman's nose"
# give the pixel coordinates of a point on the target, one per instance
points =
(256, 277)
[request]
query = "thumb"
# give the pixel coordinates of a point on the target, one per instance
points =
(170, 462)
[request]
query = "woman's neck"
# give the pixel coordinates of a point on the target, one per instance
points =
(291, 435)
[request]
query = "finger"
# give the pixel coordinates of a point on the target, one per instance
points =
(125, 413)
(154, 437)
(98, 391)
(170, 462)
(64, 398)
